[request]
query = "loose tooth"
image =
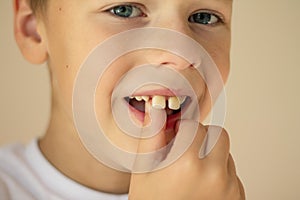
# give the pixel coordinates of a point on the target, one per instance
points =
(182, 99)
(138, 98)
(159, 102)
(145, 98)
(174, 103)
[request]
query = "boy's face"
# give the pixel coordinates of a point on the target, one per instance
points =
(72, 28)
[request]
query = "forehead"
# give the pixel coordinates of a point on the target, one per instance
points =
(222, 5)
(138, 1)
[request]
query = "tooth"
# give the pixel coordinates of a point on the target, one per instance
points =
(159, 102)
(174, 103)
(145, 98)
(138, 98)
(182, 99)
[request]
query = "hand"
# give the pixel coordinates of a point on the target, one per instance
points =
(190, 178)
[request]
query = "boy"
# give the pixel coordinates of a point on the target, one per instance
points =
(58, 166)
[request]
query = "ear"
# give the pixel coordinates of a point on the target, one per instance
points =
(26, 32)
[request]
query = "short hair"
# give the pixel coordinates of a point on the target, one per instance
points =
(37, 6)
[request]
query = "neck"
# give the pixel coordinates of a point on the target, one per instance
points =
(64, 150)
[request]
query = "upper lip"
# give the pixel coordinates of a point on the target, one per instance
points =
(162, 92)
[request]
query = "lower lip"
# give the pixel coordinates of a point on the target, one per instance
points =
(137, 114)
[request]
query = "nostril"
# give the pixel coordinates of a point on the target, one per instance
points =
(179, 66)
(167, 63)
(175, 65)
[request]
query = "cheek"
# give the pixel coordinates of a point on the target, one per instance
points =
(65, 60)
(217, 44)
(221, 56)
(110, 78)
(218, 47)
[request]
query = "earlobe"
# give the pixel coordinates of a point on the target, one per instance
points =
(28, 39)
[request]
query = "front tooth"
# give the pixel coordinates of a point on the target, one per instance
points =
(159, 102)
(182, 99)
(174, 103)
(145, 98)
(138, 98)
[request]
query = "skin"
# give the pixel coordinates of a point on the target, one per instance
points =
(89, 23)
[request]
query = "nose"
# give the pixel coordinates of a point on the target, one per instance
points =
(171, 15)
(165, 58)
(175, 21)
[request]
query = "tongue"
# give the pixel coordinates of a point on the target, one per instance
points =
(138, 105)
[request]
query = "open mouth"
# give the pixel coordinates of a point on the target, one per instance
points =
(173, 105)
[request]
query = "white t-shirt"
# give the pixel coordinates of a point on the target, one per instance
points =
(26, 175)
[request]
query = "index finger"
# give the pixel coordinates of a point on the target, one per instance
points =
(152, 143)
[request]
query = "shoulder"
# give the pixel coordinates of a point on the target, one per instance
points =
(26, 174)
(14, 172)
(9, 156)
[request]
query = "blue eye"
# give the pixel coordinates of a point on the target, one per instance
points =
(205, 18)
(126, 11)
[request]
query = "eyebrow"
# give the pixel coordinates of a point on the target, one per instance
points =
(224, 1)
(229, 1)
(220, 1)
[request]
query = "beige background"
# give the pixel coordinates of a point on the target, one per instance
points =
(263, 95)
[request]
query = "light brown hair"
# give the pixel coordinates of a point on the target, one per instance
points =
(37, 5)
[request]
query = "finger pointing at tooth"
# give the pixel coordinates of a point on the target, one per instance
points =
(151, 150)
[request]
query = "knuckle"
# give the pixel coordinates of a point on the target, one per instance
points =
(202, 129)
(190, 163)
(224, 136)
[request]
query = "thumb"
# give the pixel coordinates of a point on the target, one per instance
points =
(152, 140)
